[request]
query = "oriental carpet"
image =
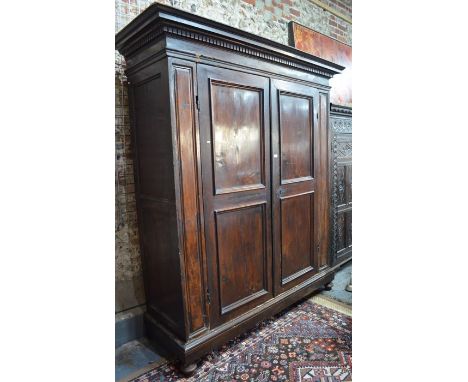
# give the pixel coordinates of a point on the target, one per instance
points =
(306, 343)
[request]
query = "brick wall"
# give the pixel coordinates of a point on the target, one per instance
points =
(267, 18)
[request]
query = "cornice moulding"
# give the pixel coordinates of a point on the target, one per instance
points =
(160, 21)
(344, 110)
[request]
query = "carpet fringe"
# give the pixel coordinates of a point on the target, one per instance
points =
(332, 304)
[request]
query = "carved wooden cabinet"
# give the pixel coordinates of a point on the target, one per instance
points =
(341, 189)
(231, 143)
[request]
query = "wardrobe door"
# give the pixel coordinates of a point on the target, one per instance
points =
(235, 154)
(296, 169)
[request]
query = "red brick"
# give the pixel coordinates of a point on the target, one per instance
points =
(270, 8)
(337, 3)
(249, 1)
(341, 38)
(295, 12)
(342, 9)
(341, 27)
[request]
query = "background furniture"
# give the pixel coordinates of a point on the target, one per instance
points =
(231, 154)
(320, 45)
(341, 190)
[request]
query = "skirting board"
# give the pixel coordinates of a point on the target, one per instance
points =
(129, 325)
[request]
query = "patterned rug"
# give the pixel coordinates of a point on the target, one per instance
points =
(306, 343)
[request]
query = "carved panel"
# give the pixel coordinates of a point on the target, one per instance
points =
(349, 184)
(295, 137)
(341, 125)
(340, 232)
(344, 149)
(349, 229)
(241, 252)
(343, 233)
(297, 233)
(237, 138)
(341, 185)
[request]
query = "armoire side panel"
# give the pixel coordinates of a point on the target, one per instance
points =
(182, 83)
(155, 194)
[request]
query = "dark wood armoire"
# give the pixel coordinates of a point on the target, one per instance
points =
(231, 153)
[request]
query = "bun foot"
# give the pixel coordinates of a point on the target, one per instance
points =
(328, 286)
(188, 369)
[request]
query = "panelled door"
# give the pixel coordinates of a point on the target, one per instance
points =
(296, 169)
(235, 155)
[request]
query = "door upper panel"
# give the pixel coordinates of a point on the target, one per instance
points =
(238, 137)
(295, 114)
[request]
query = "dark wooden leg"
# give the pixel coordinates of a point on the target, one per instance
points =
(328, 286)
(188, 369)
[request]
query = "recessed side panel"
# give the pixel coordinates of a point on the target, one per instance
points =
(295, 137)
(297, 233)
(237, 134)
(241, 252)
(153, 139)
(159, 243)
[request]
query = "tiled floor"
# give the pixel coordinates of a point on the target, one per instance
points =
(340, 282)
(139, 354)
(133, 356)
